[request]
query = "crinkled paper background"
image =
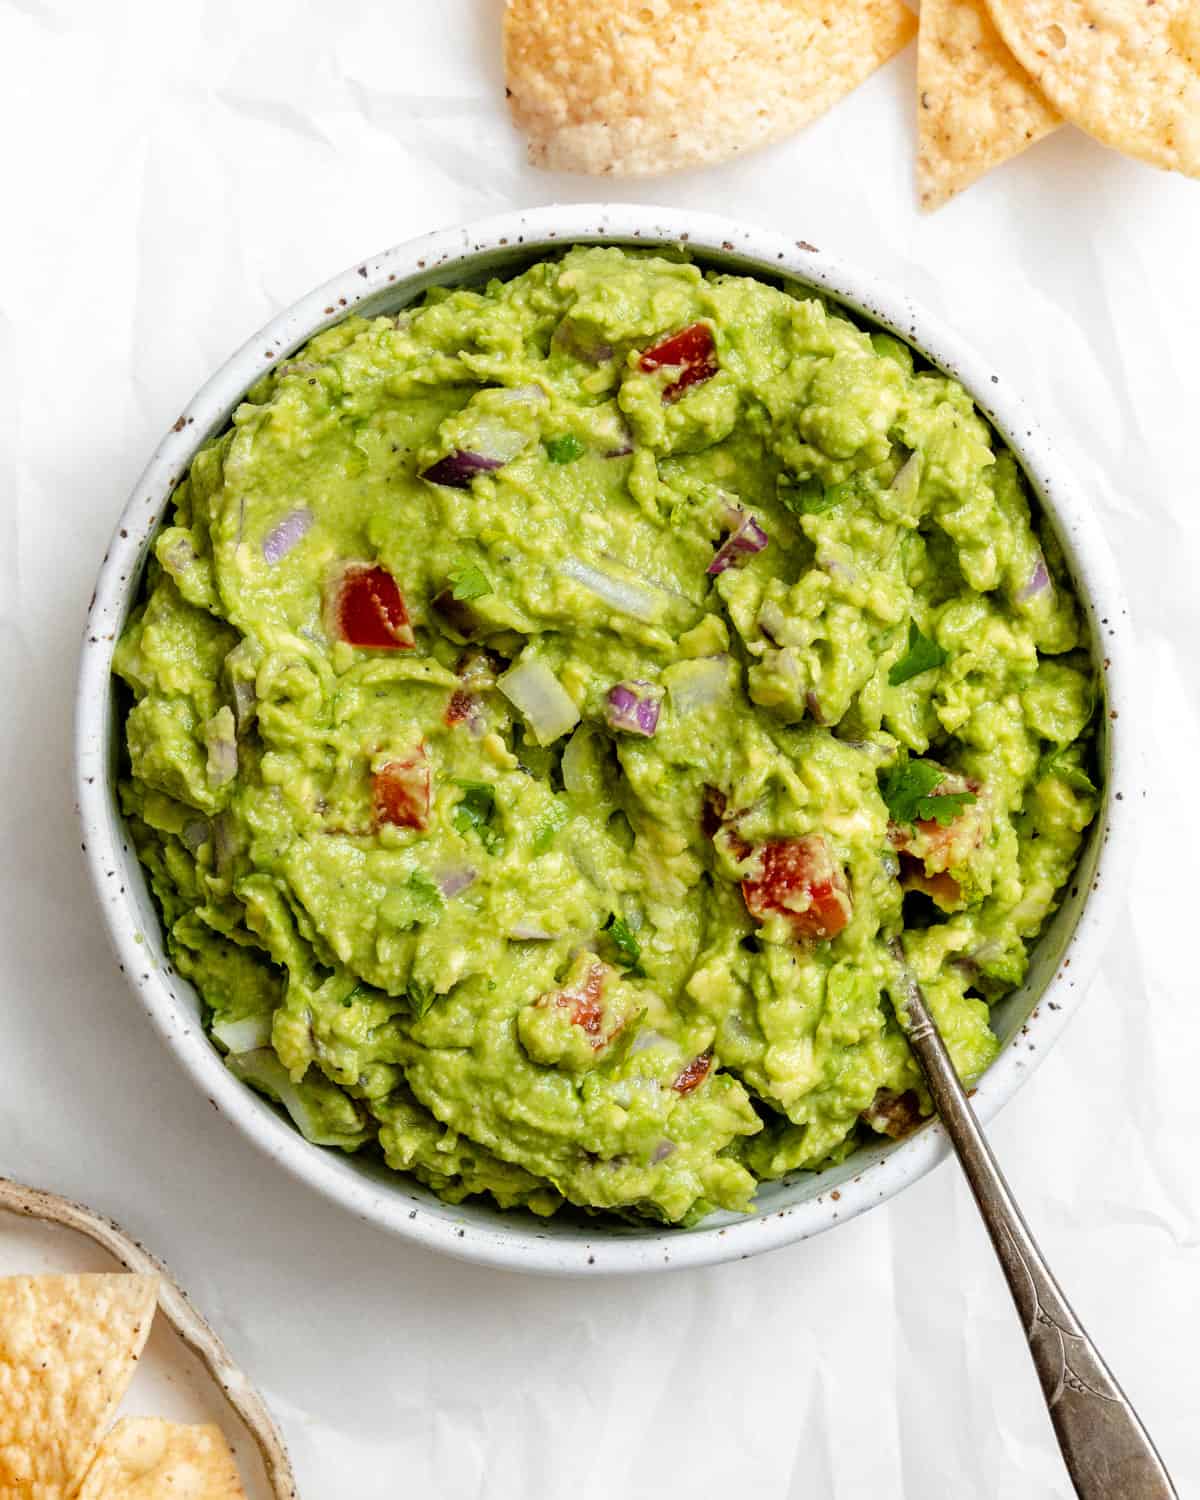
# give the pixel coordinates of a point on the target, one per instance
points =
(173, 174)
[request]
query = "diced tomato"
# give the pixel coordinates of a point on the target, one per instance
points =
(461, 707)
(800, 880)
(370, 610)
(402, 791)
(584, 1001)
(692, 351)
(937, 848)
(694, 1074)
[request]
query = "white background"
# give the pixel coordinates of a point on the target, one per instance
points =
(176, 171)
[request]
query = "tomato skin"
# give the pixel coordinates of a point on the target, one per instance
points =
(692, 351)
(801, 881)
(694, 1074)
(370, 611)
(402, 791)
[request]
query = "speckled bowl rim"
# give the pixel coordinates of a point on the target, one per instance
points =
(474, 1232)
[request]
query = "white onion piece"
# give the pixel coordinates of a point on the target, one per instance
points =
(194, 835)
(220, 738)
(520, 395)
(245, 1035)
(641, 601)
(263, 1068)
(696, 685)
(526, 932)
(908, 480)
(532, 688)
(455, 880)
(577, 763)
(280, 540)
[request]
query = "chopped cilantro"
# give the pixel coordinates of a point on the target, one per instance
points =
(921, 656)
(805, 497)
(909, 794)
(629, 950)
(417, 902)
(420, 996)
(476, 813)
(564, 450)
(547, 826)
(1055, 764)
(469, 582)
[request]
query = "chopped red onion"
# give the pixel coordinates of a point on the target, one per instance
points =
(1039, 582)
(813, 704)
(634, 707)
(282, 538)
(453, 881)
(662, 1150)
(532, 687)
(746, 538)
(526, 932)
(179, 556)
(245, 701)
(457, 469)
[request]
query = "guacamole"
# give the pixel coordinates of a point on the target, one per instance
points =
(560, 711)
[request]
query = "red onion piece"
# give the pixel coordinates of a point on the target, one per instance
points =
(280, 540)
(662, 1150)
(747, 538)
(1039, 582)
(633, 707)
(457, 469)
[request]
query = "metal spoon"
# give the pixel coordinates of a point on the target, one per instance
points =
(1108, 1452)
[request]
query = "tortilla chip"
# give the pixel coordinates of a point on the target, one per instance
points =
(1126, 71)
(644, 86)
(68, 1349)
(145, 1458)
(977, 105)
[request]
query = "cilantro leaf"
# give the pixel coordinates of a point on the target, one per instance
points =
(629, 950)
(944, 809)
(1056, 764)
(476, 814)
(547, 826)
(420, 996)
(564, 450)
(468, 582)
(910, 794)
(419, 902)
(922, 655)
(805, 497)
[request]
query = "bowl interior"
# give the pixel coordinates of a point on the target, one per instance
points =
(474, 1228)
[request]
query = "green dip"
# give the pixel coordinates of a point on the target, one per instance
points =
(551, 705)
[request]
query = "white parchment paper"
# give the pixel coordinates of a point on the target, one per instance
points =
(172, 175)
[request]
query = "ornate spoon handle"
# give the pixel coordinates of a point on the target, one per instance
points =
(1108, 1452)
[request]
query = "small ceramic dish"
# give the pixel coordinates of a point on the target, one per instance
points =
(1027, 1021)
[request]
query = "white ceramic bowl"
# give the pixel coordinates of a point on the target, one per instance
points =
(1027, 1021)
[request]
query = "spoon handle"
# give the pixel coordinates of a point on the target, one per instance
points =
(1107, 1450)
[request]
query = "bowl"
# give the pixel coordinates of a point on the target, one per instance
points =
(1027, 1021)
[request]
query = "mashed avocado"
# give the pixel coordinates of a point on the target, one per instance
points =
(550, 705)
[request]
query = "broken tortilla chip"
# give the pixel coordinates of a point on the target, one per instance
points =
(68, 1349)
(977, 106)
(1127, 73)
(643, 86)
(145, 1458)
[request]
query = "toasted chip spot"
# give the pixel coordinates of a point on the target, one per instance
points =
(977, 106)
(145, 1458)
(630, 87)
(68, 1349)
(1129, 74)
